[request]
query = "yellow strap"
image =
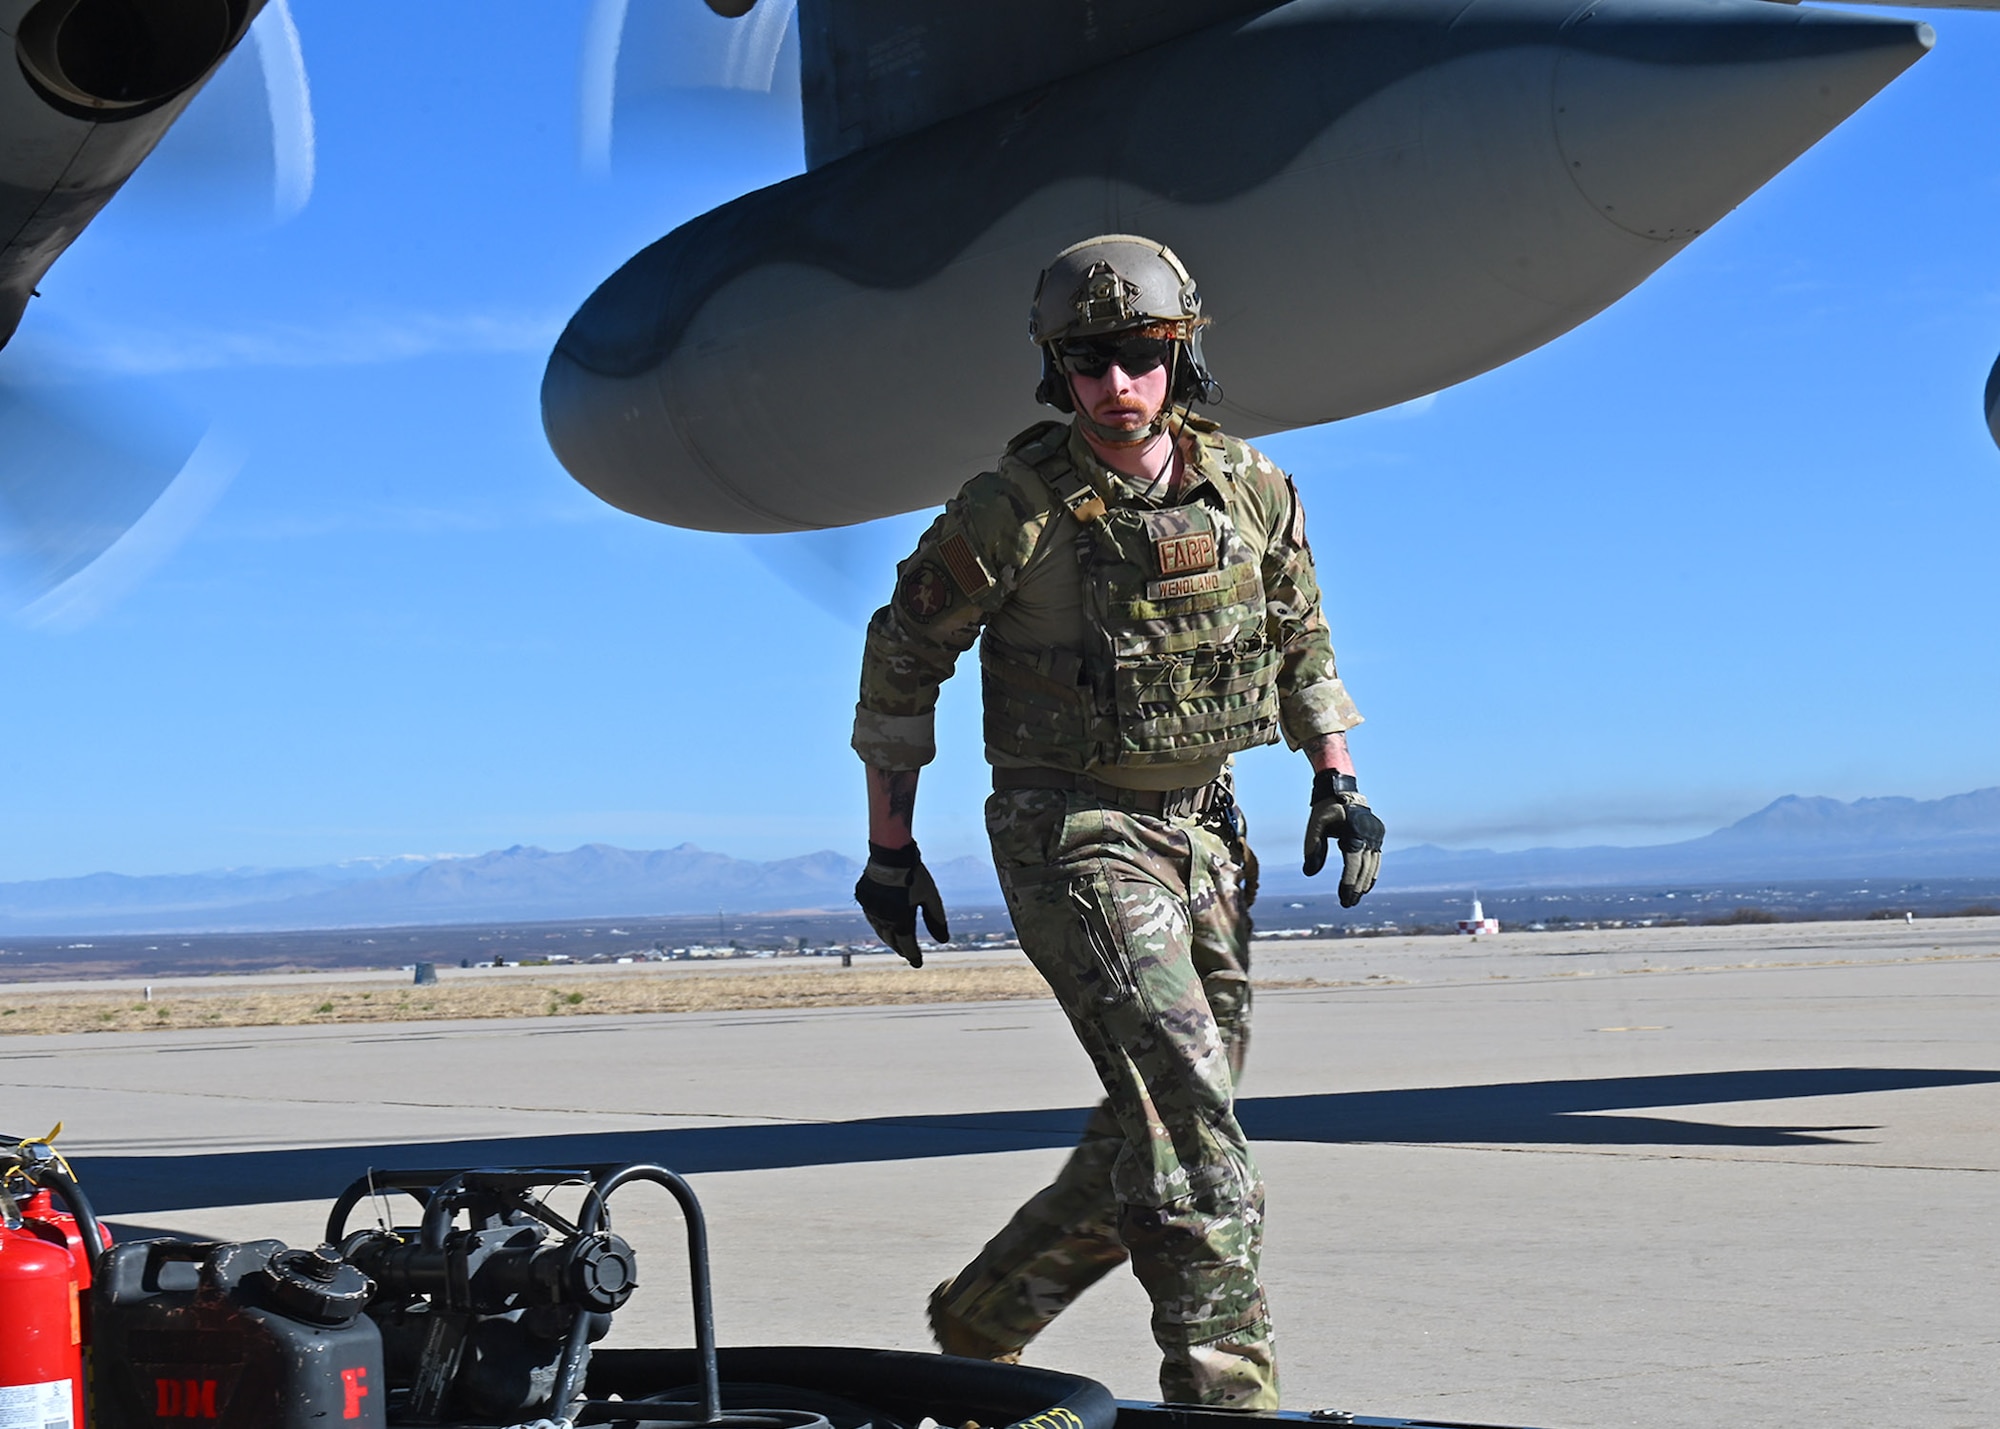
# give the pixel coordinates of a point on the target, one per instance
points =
(49, 1143)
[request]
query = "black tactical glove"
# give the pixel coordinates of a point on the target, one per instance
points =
(1339, 812)
(893, 886)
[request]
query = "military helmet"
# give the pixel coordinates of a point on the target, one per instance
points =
(1112, 281)
(1109, 283)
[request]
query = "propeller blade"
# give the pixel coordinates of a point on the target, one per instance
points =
(245, 152)
(146, 544)
(640, 57)
(846, 571)
(102, 479)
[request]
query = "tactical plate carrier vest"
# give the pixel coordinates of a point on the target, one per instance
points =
(1177, 667)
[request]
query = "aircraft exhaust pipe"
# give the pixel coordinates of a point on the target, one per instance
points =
(1418, 191)
(105, 59)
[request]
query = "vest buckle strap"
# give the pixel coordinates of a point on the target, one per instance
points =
(1084, 503)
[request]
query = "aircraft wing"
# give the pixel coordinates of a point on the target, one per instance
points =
(875, 70)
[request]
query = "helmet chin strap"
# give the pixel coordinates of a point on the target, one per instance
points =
(1123, 436)
(1129, 437)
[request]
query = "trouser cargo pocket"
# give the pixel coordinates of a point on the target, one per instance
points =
(1091, 898)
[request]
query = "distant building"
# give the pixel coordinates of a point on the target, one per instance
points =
(1478, 923)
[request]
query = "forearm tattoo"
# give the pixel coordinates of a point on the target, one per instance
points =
(899, 789)
(1327, 751)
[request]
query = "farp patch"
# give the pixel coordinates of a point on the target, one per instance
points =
(925, 591)
(1181, 554)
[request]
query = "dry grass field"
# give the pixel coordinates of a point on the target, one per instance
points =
(23, 1010)
(309, 999)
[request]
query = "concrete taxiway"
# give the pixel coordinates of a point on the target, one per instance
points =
(1649, 1177)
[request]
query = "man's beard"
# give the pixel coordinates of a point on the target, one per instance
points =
(1104, 420)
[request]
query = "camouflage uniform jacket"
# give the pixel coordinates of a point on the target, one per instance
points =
(1002, 557)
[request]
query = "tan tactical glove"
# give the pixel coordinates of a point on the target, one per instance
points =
(1340, 813)
(893, 886)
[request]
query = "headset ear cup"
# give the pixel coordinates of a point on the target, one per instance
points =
(1199, 381)
(1193, 384)
(1053, 389)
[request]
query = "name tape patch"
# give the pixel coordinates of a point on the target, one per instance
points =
(1192, 552)
(1198, 584)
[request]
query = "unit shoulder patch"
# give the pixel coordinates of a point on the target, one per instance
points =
(925, 591)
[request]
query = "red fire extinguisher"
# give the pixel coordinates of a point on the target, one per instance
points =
(45, 1260)
(41, 1352)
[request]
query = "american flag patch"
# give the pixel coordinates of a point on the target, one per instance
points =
(964, 564)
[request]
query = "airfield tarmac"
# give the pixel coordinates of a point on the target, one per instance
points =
(1651, 1177)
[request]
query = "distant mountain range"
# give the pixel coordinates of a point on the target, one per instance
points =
(1793, 838)
(519, 884)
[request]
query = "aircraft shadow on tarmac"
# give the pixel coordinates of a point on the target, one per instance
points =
(1513, 1113)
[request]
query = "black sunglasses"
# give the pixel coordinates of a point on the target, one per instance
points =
(1135, 356)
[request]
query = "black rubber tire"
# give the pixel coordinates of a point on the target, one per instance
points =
(741, 1395)
(906, 1386)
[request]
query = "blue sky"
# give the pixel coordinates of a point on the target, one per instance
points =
(1731, 540)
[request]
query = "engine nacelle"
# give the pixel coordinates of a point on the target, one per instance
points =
(94, 86)
(1378, 197)
(1993, 402)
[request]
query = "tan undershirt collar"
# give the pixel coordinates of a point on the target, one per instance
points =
(1118, 489)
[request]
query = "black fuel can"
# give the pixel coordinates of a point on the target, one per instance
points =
(252, 1334)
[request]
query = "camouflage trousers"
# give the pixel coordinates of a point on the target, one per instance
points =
(1141, 926)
